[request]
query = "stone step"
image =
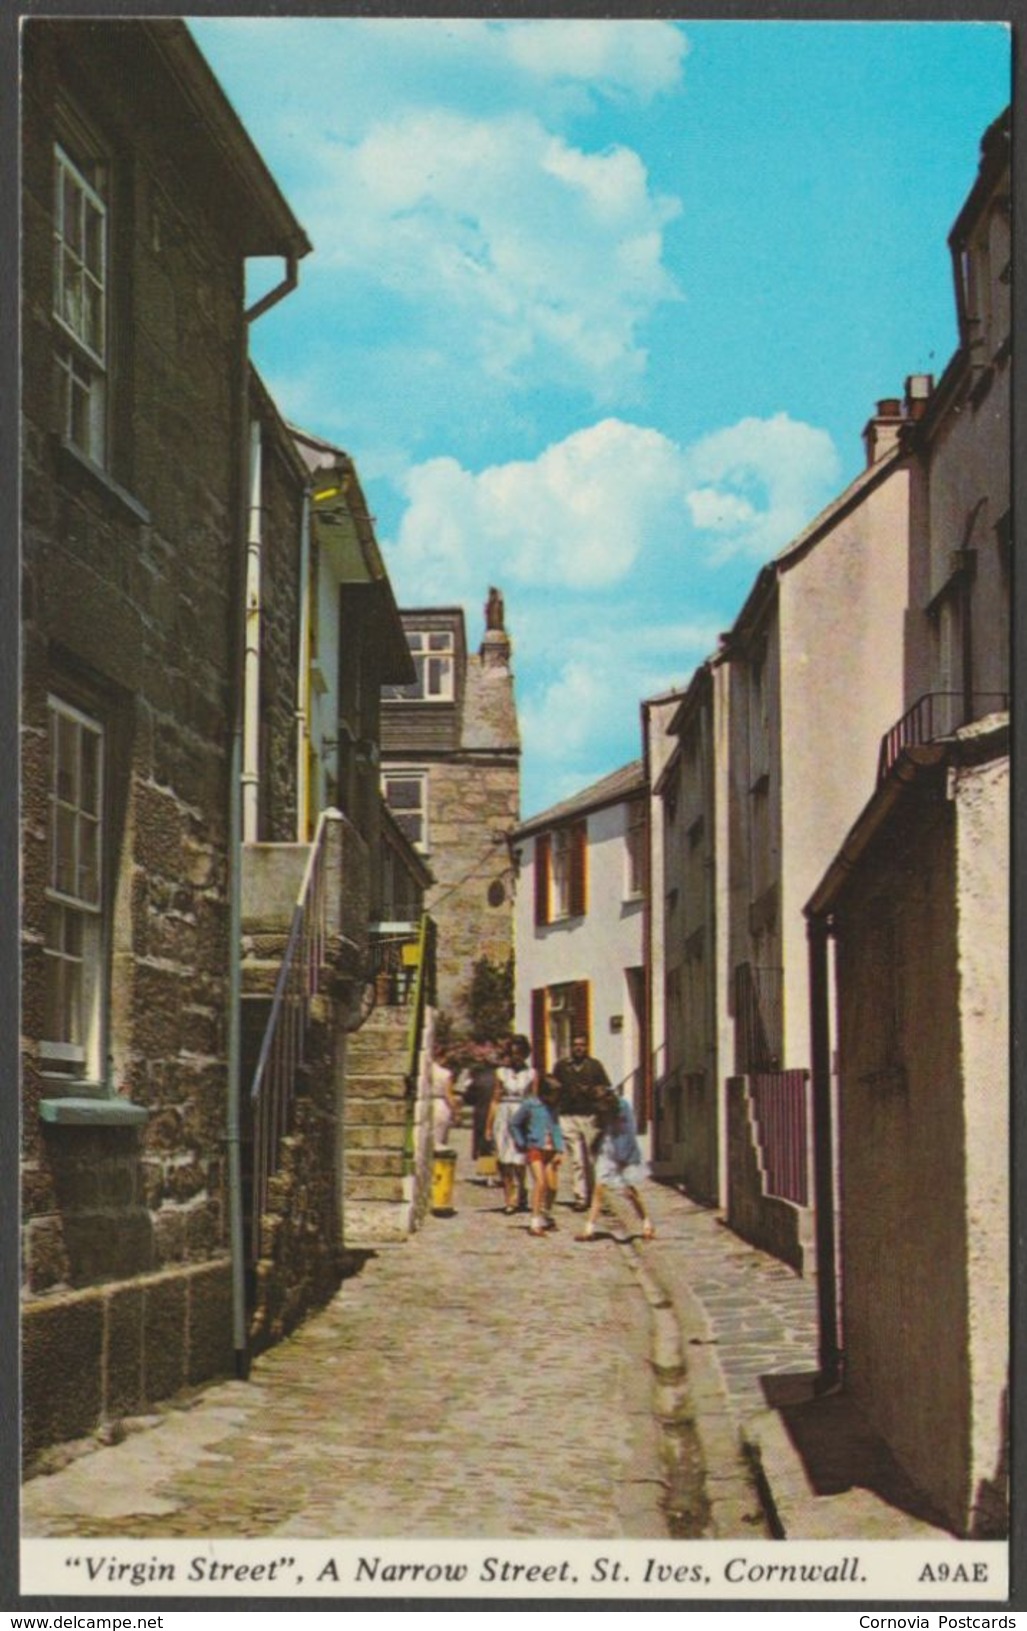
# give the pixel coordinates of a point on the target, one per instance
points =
(360, 1136)
(373, 1163)
(374, 1189)
(391, 1050)
(374, 1087)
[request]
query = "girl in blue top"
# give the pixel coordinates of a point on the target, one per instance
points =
(536, 1131)
(618, 1162)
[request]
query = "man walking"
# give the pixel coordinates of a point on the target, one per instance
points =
(580, 1080)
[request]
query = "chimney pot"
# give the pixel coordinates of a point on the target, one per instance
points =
(918, 391)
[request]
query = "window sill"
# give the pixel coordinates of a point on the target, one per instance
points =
(76, 466)
(83, 1112)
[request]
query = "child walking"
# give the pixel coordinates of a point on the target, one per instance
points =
(618, 1162)
(536, 1131)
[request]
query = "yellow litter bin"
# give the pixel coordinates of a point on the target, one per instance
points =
(443, 1174)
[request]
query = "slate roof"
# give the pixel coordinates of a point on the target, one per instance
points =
(611, 789)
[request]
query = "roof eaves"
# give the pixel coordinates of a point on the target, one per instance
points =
(203, 93)
(598, 796)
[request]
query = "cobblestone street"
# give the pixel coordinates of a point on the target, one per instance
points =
(478, 1382)
(474, 1381)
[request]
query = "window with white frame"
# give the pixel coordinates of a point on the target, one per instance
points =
(80, 295)
(433, 651)
(561, 1021)
(73, 944)
(635, 850)
(560, 873)
(406, 794)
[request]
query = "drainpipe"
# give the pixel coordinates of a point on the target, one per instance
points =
(648, 1095)
(303, 681)
(233, 1120)
(251, 665)
(829, 1354)
(712, 1061)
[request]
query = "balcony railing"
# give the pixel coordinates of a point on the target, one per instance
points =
(394, 956)
(935, 714)
(283, 1049)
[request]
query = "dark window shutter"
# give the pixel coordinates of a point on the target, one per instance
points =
(579, 847)
(581, 1010)
(538, 1029)
(542, 879)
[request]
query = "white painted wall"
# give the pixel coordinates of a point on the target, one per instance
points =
(657, 715)
(724, 1023)
(982, 896)
(841, 615)
(598, 947)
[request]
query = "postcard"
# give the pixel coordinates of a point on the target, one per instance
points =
(517, 589)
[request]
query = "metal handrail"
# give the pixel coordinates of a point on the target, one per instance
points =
(935, 714)
(423, 997)
(283, 1047)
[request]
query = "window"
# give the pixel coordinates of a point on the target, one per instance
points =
(73, 949)
(433, 654)
(761, 847)
(635, 841)
(406, 794)
(560, 875)
(560, 886)
(80, 300)
(558, 1014)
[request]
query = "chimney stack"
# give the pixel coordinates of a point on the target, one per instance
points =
(495, 647)
(881, 433)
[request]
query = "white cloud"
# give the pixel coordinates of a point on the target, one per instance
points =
(642, 57)
(535, 261)
(756, 484)
(578, 517)
(612, 503)
(615, 528)
(588, 707)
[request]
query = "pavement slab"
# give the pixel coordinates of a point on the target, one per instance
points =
(749, 1330)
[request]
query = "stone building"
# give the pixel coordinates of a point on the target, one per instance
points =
(915, 906)
(580, 912)
(142, 199)
(320, 858)
(450, 769)
(205, 850)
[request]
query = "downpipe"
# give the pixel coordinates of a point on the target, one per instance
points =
(829, 1352)
(237, 614)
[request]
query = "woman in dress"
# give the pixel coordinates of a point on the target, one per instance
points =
(445, 1105)
(514, 1081)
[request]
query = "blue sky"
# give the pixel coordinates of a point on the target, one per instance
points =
(600, 307)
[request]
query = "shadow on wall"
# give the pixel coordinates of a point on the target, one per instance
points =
(839, 1449)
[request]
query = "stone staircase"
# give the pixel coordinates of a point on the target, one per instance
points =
(377, 1188)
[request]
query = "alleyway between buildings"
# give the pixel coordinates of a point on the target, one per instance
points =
(477, 1382)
